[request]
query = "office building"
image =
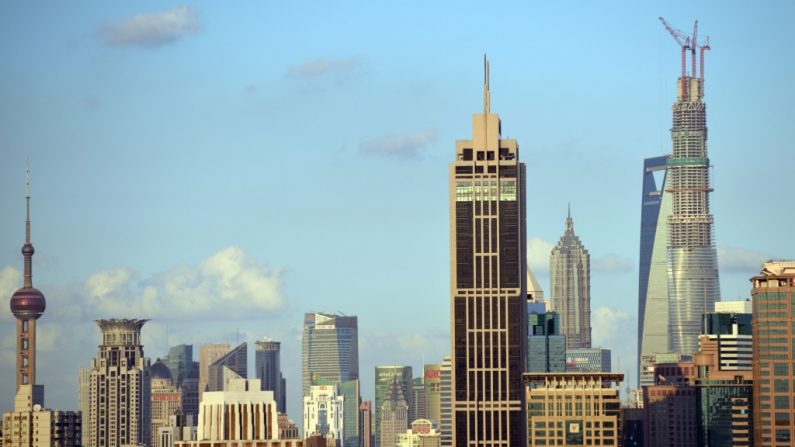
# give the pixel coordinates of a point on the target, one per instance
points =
(208, 354)
(287, 428)
(573, 408)
(394, 414)
(190, 392)
(166, 400)
(329, 348)
(432, 378)
(351, 391)
(30, 425)
(693, 285)
(546, 348)
(365, 424)
(241, 416)
(446, 404)
(734, 307)
(324, 413)
(180, 428)
(588, 360)
(570, 285)
(384, 376)
(732, 335)
(418, 409)
(423, 433)
(120, 388)
(487, 288)
(179, 362)
(774, 366)
(649, 361)
(653, 308)
(231, 366)
(267, 364)
(84, 398)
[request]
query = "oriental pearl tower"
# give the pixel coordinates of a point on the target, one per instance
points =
(27, 305)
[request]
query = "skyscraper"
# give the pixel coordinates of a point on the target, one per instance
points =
(179, 362)
(487, 285)
(268, 369)
(232, 365)
(384, 376)
(324, 413)
(208, 354)
(446, 402)
(365, 424)
(774, 354)
(570, 283)
(653, 264)
(330, 348)
(693, 284)
(546, 348)
(166, 399)
(394, 414)
(119, 411)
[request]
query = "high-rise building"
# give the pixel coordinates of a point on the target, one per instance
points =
(329, 348)
(119, 411)
(432, 377)
(30, 424)
(546, 348)
(446, 402)
(179, 362)
(418, 409)
(84, 398)
(394, 417)
(365, 424)
(649, 361)
(734, 307)
(208, 354)
(190, 392)
(693, 285)
(573, 408)
(732, 335)
(423, 433)
(231, 366)
(570, 285)
(384, 376)
(653, 265)
(268, 369)
(351, 391)
(324, 413)
(180, 428)
(588, 360)
(774, 354)
(166, 400)
(487, 285)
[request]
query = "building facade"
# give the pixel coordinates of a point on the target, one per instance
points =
(653, 311)
(446, 404)
(384, 376)
(423, 433)
(588, 360)
(365, 424)
(208, 354)
(774, 367)
(418, 408)
(267, 364)
(394, 417)
(31, 425)
(324, 413)
(570, 286)
(573, 408)
(166, 400)
(488, 285)
(190, 393)
(732, 335)
(179, 362)
(231, 366)
(329, 348)
(120, 388)
(546, 348)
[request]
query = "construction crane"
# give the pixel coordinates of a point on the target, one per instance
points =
(684, 41)
(702, 49)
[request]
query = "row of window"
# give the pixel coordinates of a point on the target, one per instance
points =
(504, 190)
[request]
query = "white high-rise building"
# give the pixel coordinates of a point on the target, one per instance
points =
(324, 412)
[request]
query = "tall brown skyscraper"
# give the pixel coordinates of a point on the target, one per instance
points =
(487, 285)
(27, 305)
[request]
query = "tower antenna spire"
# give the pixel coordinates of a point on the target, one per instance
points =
(27, 249)
(486, 92)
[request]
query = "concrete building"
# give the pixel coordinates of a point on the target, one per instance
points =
(488, 293)
(84, 398)
(732, 334)
(208, 354)
(287, 428)
(324, 413)
(734, 307)
(180, 428)
(432, 377)
(649, 361)
(423, 433)
(365, 424)
(573, 408)
(267, 364)
(394, 414)
(774, 354)
(120, 388)
(588, 360)
(418, 409)
(231, 366)
(179, 362)
(693, 284)
(546, 348)
(30, 425)
(329, 349)
(570, 285)
(351, 391)
(384, 376)
(653, 309)
(166, 400)
(446, 424)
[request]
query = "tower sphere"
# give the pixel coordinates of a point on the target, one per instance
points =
(28, 303)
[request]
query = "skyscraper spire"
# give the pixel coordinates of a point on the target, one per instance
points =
(27, 249)
(486, 93)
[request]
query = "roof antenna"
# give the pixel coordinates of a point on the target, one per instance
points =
(486, 93)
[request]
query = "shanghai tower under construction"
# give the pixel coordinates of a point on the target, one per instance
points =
(693, 285)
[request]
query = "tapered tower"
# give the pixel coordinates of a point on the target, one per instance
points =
(27, 305)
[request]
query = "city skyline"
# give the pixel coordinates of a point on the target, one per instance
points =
(119, 215)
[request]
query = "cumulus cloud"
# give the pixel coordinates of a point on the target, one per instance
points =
(406, 145)
(152, 30)
(739, 260)
(227, 284)
(610, 326)
(612, 263)
(313, 68)
(10, 281)
(538, 251)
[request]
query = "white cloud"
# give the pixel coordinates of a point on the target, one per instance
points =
(312, 68)
(406, 145)
(739, 260)
(10, 281)
(538, 251)
(612, 263)
(152, 30)
(610, 326)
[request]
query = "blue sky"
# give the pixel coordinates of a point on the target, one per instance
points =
(236, 166)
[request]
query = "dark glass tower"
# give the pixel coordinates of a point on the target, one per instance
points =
(268, 366)
(487, 286)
